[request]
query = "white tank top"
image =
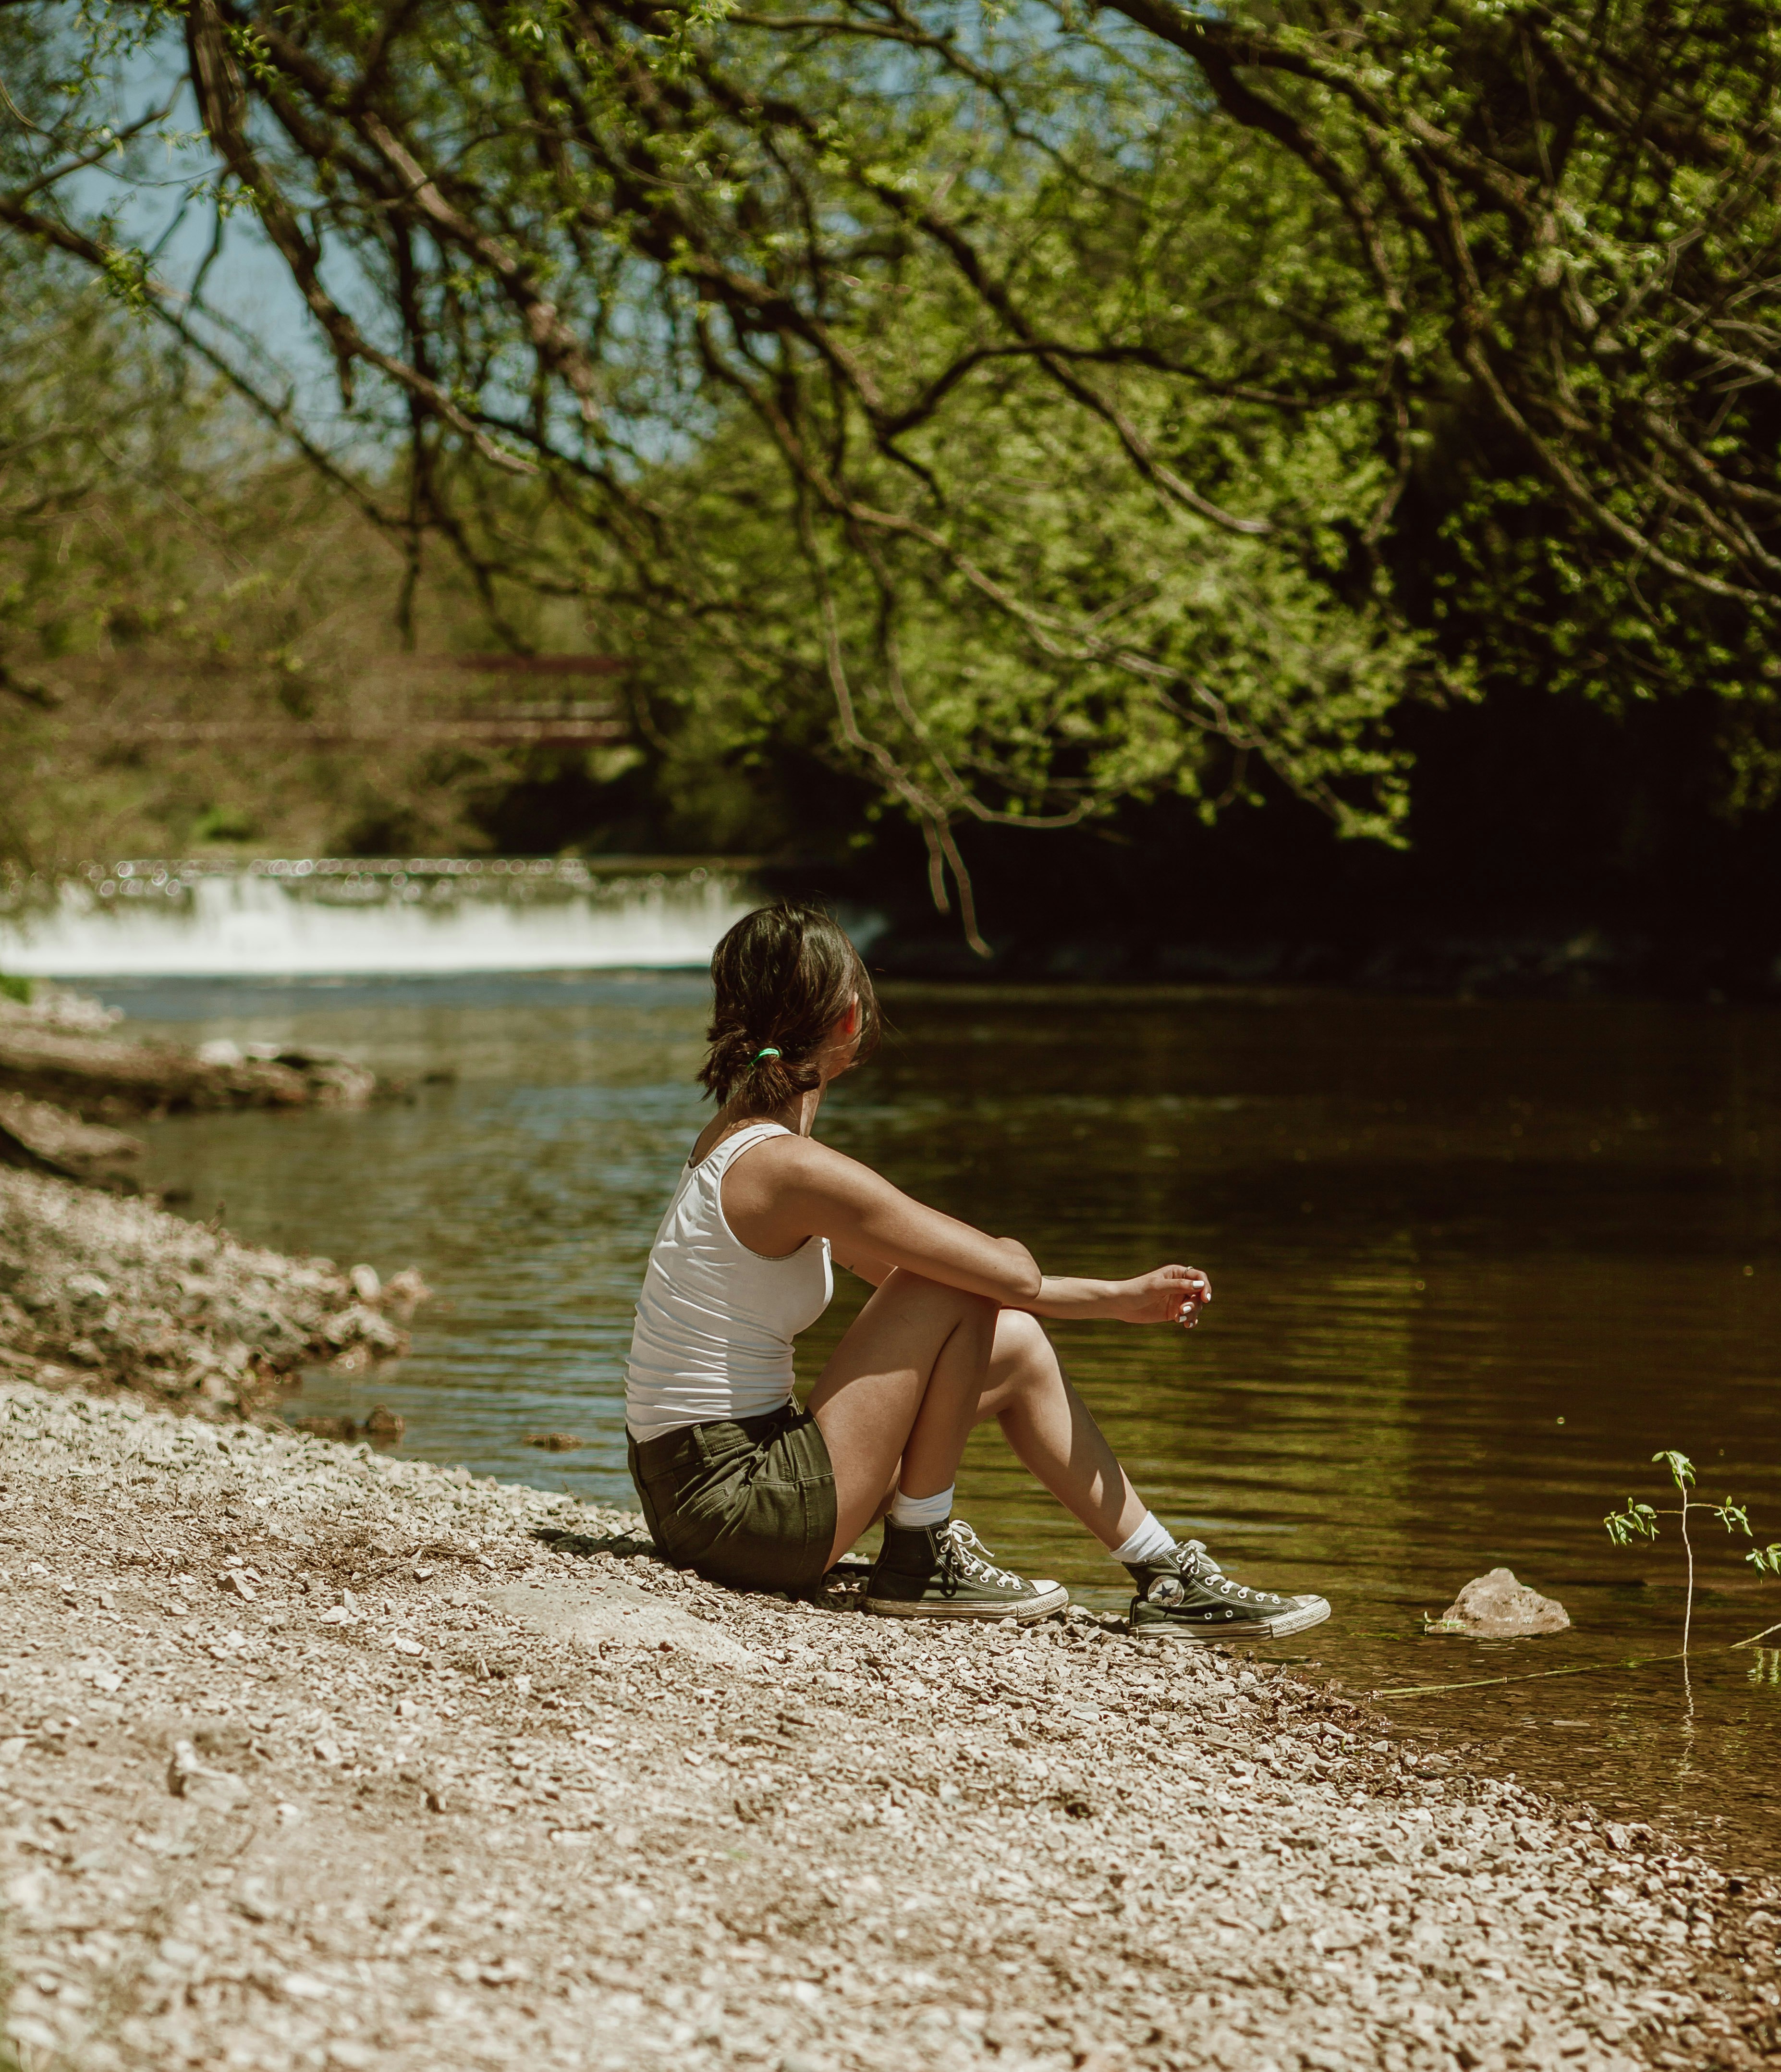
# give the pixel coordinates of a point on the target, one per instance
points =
(715, 1321)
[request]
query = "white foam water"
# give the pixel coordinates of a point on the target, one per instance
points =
(331, 917)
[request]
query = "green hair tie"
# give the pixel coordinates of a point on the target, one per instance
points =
(769, 1052)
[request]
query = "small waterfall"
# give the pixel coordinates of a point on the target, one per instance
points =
(335, 916)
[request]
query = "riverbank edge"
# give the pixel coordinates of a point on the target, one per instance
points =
(268, 1702)
(104, 1291)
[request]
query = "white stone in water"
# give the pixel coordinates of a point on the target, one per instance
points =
(1495, 1606)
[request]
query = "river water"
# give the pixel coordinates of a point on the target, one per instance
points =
(1473, 1265)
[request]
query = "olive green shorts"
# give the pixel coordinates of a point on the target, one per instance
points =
(748, 1502)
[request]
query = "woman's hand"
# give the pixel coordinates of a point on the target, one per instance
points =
(1171, 1295)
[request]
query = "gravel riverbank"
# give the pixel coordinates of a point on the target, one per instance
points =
(311, 1757)
(115, 1292)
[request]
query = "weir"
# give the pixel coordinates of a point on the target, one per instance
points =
(335, 916)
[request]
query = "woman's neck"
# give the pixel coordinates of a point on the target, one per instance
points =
(798, 1116)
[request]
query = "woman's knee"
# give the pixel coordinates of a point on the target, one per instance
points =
(977, 1312)
(981, 1318)
(1022, 1348)
(909, 1286)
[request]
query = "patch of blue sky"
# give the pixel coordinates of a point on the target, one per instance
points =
(162, 193)
(159, 196)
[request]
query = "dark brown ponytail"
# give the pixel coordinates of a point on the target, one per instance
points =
(783, 977)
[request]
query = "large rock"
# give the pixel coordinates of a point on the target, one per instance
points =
(1496, 1607)
(608, 1610)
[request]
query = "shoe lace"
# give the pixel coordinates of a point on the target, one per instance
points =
(1199, 1566)
(964, 1558)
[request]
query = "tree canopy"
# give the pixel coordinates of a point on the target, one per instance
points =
(1036, 407)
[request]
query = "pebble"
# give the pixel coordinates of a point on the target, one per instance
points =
(189, 1778)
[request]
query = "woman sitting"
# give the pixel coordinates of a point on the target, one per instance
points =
(735, 1480)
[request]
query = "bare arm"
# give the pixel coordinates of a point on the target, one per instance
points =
(789, 1189)
(873, 1270)
(1171, 1295)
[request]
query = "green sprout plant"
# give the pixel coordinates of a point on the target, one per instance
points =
(1638, 1521)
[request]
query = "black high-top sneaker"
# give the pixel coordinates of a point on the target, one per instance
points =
(944, 1571)
(1184, 1595)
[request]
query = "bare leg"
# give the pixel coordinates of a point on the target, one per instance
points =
(905, 1384)
(1052, 1432)
(1049, 1428)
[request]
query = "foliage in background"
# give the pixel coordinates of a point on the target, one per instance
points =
(861, 388)
(186, 614)
(1567, 222)
(1028, 413)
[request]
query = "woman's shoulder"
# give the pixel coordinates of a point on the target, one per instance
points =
(781, 1157)
(814, 1170)
(719, 1136)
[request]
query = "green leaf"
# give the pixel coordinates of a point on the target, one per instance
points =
(1638, 1521)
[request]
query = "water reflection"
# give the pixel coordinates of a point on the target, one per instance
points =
(1474, 1265)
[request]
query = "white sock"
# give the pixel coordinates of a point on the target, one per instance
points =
(1149, 1540)
(919, 1511)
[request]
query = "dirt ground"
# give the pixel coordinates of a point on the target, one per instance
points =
(311, 1757)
